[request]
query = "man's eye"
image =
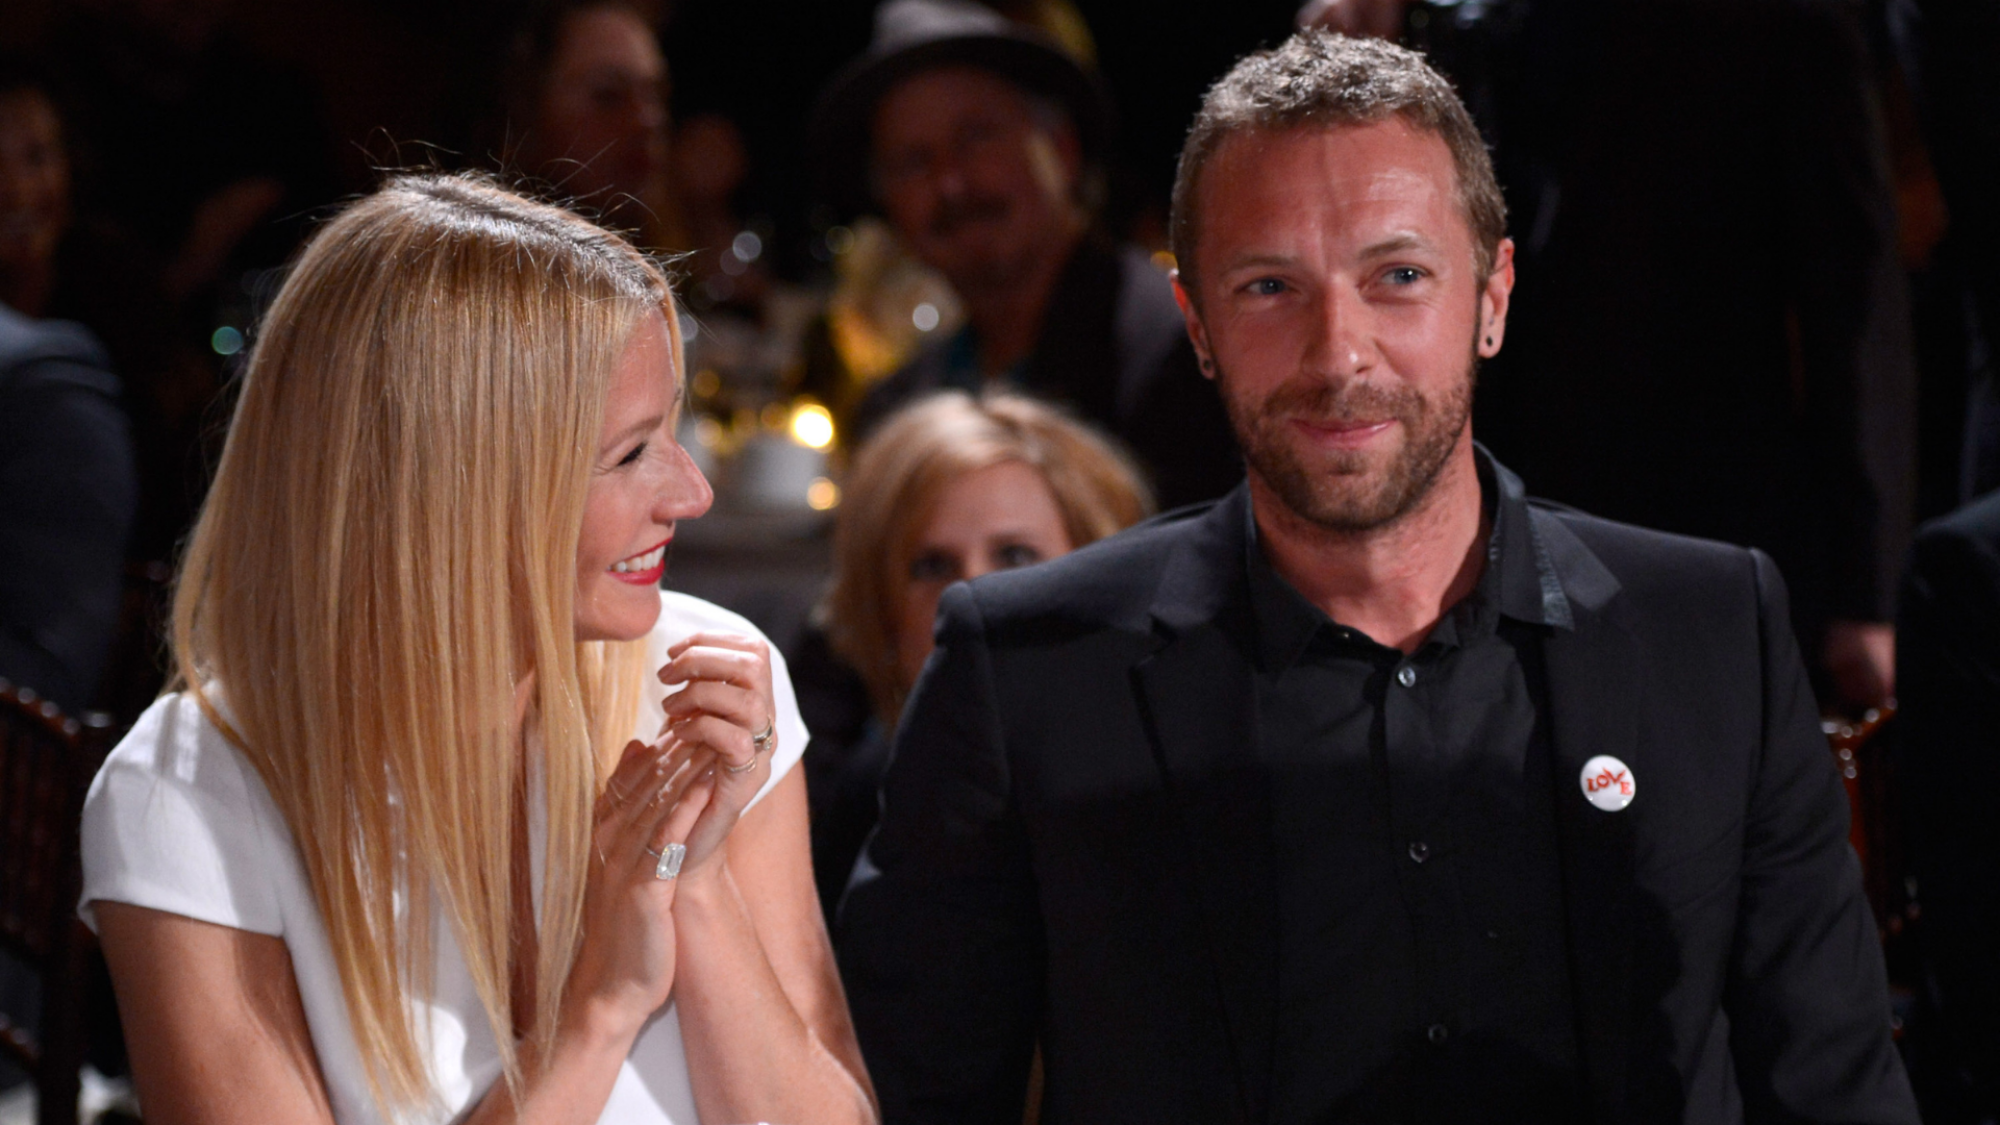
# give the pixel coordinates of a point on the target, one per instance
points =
(934, 566)
(1266, 287)
(638, 451)
(1405, 275)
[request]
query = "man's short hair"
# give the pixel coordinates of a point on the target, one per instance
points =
(1321, 79)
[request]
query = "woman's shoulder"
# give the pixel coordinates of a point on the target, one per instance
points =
(178, 820)
(683, 615)
(176, 741)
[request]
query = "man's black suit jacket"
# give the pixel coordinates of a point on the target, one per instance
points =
(1075, 847)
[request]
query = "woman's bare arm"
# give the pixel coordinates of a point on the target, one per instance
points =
(215, 1027)
(766, 1026)
(217, 1031)
(218, 1034)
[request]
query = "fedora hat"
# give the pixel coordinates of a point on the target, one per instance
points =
(916, 35)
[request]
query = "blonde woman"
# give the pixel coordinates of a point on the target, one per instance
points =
(949, 488)
(454, 815)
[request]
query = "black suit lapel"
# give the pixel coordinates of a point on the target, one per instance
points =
(1594, 681)
(1199, 700)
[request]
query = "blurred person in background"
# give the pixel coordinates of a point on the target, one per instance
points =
(584, 107)
(584, 99)
(211, 155)
(981, 142)
(1714, 335)
(86, 268)
(1942, 93)
(66, 500)
(1948, 656)
(34, 189)
(947, 489)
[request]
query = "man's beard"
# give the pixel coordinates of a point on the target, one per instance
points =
(1335, 492)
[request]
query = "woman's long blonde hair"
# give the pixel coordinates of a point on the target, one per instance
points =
(388, 548)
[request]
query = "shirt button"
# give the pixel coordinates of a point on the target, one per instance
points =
(1437, 1034)
(1420, 851)
(1407, 676)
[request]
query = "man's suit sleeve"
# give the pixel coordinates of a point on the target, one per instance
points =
(939, 936)
(67, 495)
(1806, 995)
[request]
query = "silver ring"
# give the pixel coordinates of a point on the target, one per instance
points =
(767, 739)
(745, 767)
(670, 860)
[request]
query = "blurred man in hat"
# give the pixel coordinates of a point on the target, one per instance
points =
(981, 142)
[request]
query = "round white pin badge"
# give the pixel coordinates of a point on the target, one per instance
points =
(1607, 783)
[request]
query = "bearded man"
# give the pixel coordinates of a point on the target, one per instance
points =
(1375, 791)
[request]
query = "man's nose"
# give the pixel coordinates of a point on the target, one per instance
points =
(1337, 343)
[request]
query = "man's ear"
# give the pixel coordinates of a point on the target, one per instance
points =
(1494, 295)
(1197, 332)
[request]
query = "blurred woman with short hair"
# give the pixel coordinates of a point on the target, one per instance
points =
(948, 488)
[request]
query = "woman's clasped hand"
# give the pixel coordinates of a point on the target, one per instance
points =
(686, 789)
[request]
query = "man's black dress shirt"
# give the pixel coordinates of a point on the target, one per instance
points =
(1422, 967)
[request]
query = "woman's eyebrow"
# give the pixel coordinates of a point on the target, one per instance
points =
(644, 425)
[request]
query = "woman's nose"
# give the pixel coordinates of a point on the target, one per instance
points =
(685, 494)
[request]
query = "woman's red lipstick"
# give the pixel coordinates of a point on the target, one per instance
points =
(645, 568)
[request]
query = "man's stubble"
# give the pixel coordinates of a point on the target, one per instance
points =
(1337, 495)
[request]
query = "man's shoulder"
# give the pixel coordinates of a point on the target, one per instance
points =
(1955, 560)
(1976, 523)
(49, 353)
(1647, 567)
(1110, 584)
(1635, 545)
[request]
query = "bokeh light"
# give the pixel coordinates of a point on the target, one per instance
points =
(812, 425)
(822, 494)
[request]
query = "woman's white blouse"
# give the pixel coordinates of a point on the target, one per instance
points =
(179, 821)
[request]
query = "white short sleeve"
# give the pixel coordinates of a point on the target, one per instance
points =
(177, 820)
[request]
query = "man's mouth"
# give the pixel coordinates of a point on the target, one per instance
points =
(644, 568)
(1342, 432)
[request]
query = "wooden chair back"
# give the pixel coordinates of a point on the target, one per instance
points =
(47, 760)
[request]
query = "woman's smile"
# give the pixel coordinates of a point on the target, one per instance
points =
(644, 568)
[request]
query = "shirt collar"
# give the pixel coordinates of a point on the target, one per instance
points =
(1519, 582)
